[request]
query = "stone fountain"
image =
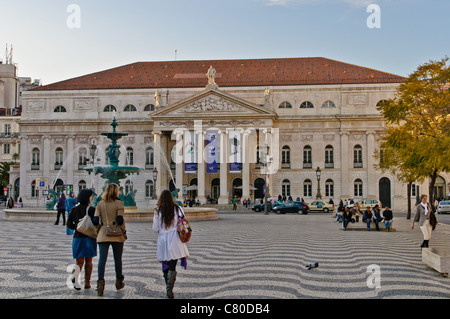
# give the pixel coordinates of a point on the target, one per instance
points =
(113, 173)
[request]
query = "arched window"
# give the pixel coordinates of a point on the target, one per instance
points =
(59, 158)
(149, 189)
(35, 159)
(286, 188)
(357, 157)
(130, 156)
(60, 109)
(149, 159)
(307, 157)
(381, 102)
(358, 188)
(307, 188)
(106, 156)
(82, 185)
(285, 157)
(285, 105)
(329, 188)
(82, 157)
(128, 187)
(329, 156)
(306, 105)
(34, 190)
(149, 108)
(109, 108)
(328, 104)
(130, 108)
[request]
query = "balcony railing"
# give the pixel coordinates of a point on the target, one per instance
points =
(286, 165)
(357, 164)
(34, 167)
(307, 165)
(329, 165)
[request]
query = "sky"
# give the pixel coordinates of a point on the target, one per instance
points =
(53, 42)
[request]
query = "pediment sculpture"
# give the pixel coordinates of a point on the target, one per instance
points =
(211, 104)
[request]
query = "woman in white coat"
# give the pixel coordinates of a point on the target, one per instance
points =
(169, 248)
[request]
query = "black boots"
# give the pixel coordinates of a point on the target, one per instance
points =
(100, 287)
(169, 278)
(119, 283)
(424, 244)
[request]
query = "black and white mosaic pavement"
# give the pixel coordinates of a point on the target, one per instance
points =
(242, 255)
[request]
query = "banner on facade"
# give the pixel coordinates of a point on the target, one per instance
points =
(190, 158)
(211, 151)
(235, 148)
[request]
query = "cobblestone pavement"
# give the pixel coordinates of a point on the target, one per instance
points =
(242, 255)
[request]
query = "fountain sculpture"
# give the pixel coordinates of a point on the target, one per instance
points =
(113, 173)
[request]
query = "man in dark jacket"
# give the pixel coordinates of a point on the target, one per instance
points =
(376, 216)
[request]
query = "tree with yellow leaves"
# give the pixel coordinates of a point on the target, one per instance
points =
(416, 143)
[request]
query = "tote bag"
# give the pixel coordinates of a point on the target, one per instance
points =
(86, 227)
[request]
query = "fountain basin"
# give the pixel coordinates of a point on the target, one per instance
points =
(132, 214)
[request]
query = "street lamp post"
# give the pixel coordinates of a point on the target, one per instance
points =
(318, 173)
(93, 152)
(155, 177)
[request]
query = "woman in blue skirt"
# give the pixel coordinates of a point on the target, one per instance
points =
(84, 248)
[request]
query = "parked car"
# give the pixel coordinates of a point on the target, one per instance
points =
(260, 207)
(291, 207)
(443, 207)
(321, 206)
(363, 204)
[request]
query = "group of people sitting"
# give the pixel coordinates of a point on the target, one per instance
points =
(374, 215)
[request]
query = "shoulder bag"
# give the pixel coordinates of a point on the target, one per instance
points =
(183, 228)
(113, 229)
(86, 227)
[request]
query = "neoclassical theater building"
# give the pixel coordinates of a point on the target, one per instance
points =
(274, 121)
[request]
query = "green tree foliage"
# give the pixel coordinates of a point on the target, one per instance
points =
(416, 142)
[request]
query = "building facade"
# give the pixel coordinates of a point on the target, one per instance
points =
(307, 113)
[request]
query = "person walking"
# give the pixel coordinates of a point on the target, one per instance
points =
(109, 213)
(424, 215)
(169, 247)
(70, 203)
(387, 218)
(61, 207)
(84, 248)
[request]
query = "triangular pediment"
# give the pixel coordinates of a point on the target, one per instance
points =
(212, 103)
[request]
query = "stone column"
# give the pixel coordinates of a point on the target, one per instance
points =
(201, 167)
(371, 180)
(157, 161)
(345, 188)
(223, 199)
(25, 162)
(70, 159)
(179, 162)
(245, 166)
(46, 158)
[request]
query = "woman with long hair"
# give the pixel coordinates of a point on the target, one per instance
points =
(110, 212)
(424, 215)
(84, 248)
(169, 247)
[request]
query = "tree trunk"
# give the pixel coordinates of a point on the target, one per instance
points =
(431, 189)
(408, 215)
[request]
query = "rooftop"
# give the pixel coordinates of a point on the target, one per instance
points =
(230, 73)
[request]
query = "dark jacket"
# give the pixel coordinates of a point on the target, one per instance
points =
(77, 213)
(347, 215)
(61, 204)
(387, 214)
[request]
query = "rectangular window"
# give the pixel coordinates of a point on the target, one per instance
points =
(6, 148)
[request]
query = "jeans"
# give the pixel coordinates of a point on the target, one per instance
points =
(117, 249)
